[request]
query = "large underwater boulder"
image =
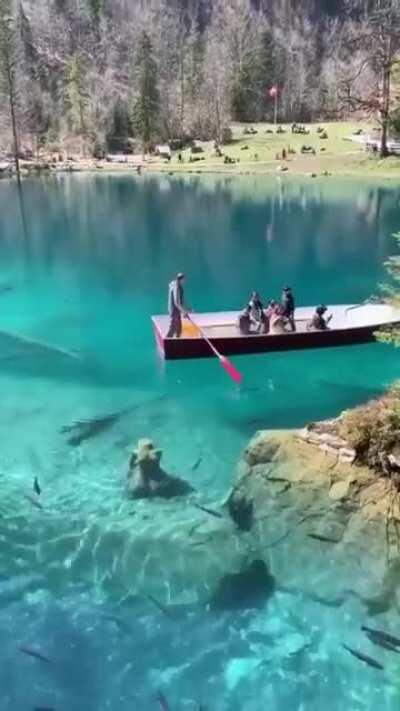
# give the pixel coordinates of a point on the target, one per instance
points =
(324, 526)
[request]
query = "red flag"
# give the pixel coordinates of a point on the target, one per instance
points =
(273, 91)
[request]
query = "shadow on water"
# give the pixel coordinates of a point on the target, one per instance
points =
(24, 223)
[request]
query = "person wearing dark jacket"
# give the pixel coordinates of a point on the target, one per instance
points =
(289, 306)
(176, 306)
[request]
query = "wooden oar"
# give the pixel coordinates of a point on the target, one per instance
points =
(226, 364)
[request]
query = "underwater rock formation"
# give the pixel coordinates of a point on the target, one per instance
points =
(323, 526)
(299, 518)
(241, 512)
(130, 550)
(146, 478)
(251, 587)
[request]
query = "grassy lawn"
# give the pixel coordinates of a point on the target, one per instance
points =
(262, 153)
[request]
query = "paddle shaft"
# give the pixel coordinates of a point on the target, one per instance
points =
(203, 335)
(226, 364)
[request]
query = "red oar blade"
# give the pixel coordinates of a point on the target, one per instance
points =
(230, 369)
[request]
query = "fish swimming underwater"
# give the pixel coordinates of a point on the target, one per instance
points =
(324, 539)
(382, 639)
(197, 464)
(364, 658)
(34, 653)
(160, 606)
(36, 486)
(210, 512)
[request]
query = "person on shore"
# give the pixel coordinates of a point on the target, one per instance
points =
(318, 321)
(176, 306)
(288, 306)
(244, 321)
(257, 312)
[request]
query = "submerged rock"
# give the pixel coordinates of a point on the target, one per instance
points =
(250, 588)
(146, 478)
(324, 526)
(241, 512)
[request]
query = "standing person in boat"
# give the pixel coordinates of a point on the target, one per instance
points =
(257, 315)
(289, 306)
(176, 306)
(318, 321)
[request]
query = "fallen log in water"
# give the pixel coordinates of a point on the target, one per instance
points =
(86, 429)
(82, 430)
(31, 345)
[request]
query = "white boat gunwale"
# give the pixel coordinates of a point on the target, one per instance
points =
(208, 322)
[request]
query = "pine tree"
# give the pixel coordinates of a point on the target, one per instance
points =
(120, 127)
(8, 67)
(147, 104)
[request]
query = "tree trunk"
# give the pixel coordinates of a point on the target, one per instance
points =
(182, 83)
(83, 125)
(11, 99)
(385, 112)
(218, 119)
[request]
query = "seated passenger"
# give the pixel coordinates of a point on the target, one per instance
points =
(268, 313)
(270, 308)
(244, 322)
(256, 312)
(277, 321)
(318, 321)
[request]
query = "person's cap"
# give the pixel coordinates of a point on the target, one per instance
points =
(287, 288)
(180, 275)
(321, 309)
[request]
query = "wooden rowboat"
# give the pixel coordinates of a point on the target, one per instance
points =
(350, 324)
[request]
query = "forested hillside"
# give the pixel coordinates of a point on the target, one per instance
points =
(96, 73)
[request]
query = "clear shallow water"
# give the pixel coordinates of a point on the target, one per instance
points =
(92, 267)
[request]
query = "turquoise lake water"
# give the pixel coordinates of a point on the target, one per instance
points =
(90, 267)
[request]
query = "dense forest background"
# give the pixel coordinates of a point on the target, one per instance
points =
(101, 72)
